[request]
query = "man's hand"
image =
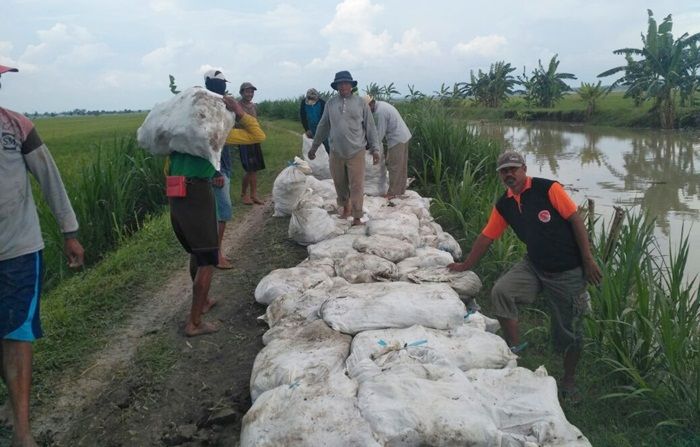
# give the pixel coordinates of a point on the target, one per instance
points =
(233, 106)
(218, 182)
(375, 158)
(312, 154)
(74, 252)
(309, 134)
(457, 267)
(593, 272)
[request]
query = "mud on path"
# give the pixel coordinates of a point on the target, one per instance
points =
(152, 386)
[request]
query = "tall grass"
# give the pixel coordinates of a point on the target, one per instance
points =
(111, 196)
(646, 326)
(280, 108)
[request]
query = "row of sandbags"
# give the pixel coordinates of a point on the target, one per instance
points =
(370, 343)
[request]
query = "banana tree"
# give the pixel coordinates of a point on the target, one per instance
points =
(664, 66)
(545, 87)
(591, 93)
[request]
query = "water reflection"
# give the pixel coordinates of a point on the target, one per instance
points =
(654, 170)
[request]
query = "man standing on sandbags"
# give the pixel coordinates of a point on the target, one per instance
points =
(391, 126)
(349, 122)
(558, 260)
(193, 216)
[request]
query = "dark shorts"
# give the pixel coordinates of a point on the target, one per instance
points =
(565, 292)
(20, 292)
(194, 221)
(251, 157)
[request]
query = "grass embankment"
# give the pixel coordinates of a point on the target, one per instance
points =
(611, 110)
(79, 312)
(640, 375)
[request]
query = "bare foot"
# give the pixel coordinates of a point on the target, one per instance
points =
(26, 441)
(258, 201)
(246, 200)
(224, 264)
(389, 196)
(204, 327)
(356, 221)
(345, 213)
(208, 305)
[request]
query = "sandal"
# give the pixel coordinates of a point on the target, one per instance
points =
(517, 349)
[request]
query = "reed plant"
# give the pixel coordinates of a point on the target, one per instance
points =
(280, 108)
(111, 196)
(646, 327)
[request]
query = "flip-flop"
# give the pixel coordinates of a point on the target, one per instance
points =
(224, 266)
(517, 349)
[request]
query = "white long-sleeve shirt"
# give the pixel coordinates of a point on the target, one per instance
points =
(390, 124)
(22, 152)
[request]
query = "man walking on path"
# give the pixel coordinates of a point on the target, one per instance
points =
(558, 261)
(193, 217)
(21, 247)
(391, 126)
(348, 120)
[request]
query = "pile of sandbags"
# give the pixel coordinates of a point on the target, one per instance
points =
(370, 343)
(289, 186)
(193, 122)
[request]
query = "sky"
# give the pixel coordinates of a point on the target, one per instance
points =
(115, 55)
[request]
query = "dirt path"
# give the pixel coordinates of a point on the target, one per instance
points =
(152, 386)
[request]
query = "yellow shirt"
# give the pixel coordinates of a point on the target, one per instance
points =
(250, 132)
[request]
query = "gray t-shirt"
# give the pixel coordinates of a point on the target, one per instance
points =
(350, 124)
(390, 124)
(23, 152)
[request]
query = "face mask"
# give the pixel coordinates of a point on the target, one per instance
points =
(216, 85)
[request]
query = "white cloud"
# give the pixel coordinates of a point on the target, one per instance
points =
(352, 17)
(486, 46)
(413, 45)
(164, 56)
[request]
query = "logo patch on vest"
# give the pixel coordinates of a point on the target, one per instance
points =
(9, 142)
(544, 216)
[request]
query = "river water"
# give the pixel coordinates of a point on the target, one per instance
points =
(651, 170)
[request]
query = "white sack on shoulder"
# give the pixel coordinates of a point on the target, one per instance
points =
(467, 284)
(289, 186)
(364, 267)
(464, 347)
(194, 122)
(281, 281)
(313, 355)
(386, 247)
(363, 307)
(319, 165)
(308, 414)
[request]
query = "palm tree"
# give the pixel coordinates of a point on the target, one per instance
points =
(591, 93)
(493, 88)
(545, 87)
(664, 68)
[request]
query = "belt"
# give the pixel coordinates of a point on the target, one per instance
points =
(197, 180)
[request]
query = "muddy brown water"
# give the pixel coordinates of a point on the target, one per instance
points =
(651, 170)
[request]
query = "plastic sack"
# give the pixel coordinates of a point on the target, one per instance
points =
(289, 186)
(319, 165)
(310, 223)
(281, 281)
(194, 122)
(387, 247)
(376, 176)
(364, 267)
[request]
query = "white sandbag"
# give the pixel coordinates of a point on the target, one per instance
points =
(325, 264)
(315, 353)
(301, 306)
(289, 186)
(281, 281)
(376, 176)
(425, 257)
(320, 168)
(525, 404)
(308, 414)
(364, 267)
(310, 224)
(372, 206)
(193, 122)
(386, 247)
(399, 226)
(363, 307)
(466, 284)
(446, 242)
(464, 347)
(337, 248)
(323, 188)
(477, 320)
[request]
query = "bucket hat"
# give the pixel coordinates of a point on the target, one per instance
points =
(343, 76)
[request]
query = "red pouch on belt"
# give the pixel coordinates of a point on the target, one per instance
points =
(175, 186)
